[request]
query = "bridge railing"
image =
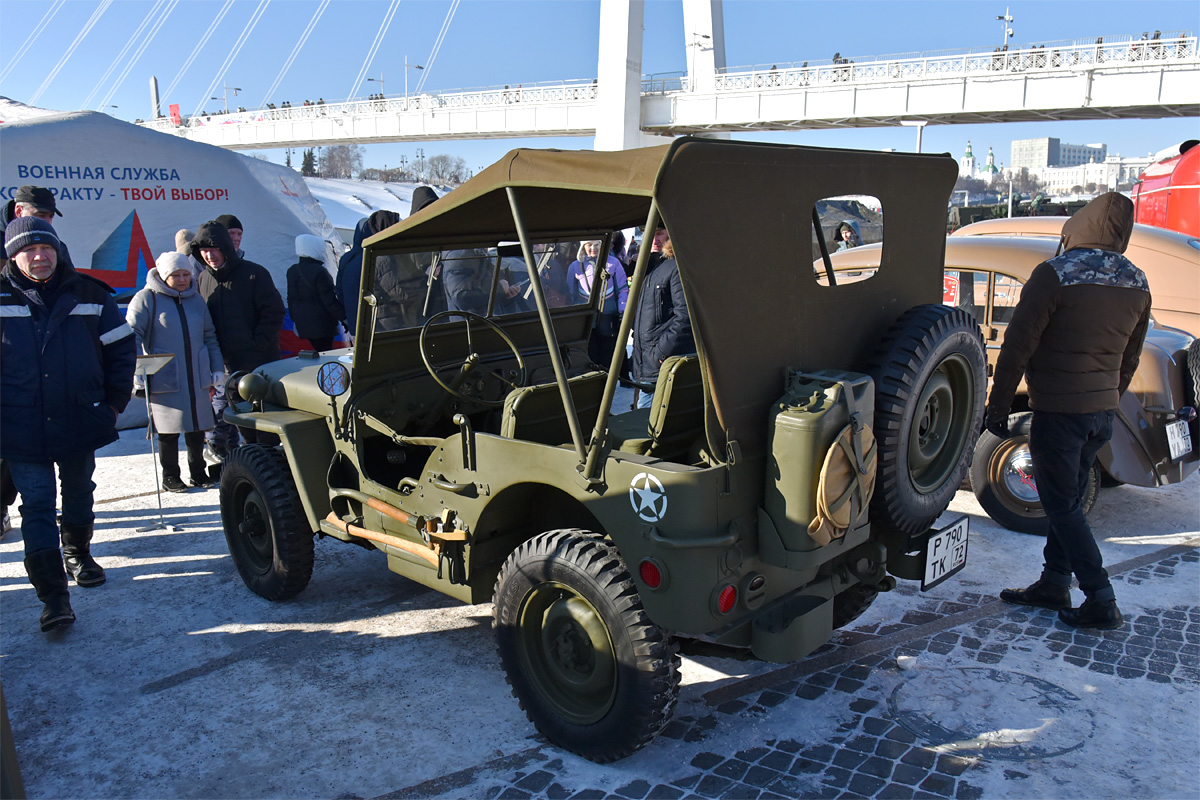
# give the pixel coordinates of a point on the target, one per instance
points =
(1059, 56)
(540, 93)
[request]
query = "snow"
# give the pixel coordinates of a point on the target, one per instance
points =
(346, 201)
(177, 681)
(15, 111)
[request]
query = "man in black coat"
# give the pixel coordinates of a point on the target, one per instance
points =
(662, 327)
(247, 311)
(312, 300)
(1076, 337)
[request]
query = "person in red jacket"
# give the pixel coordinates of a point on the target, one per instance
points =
(1076, 336)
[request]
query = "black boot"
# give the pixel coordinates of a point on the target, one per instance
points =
(1041, 594)
(77, 543)
(49, 579)
(1101, 614)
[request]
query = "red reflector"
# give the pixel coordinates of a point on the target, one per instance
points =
(727, 599)
(651, 576)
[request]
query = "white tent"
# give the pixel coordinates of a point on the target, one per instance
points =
(124, 191)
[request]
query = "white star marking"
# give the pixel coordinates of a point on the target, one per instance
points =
(648, 497)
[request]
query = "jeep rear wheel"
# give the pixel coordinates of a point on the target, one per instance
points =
(265, 527)
(585, 663)
(1002, 480)
(930, 377)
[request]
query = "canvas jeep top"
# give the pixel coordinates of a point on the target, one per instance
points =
(783, 471)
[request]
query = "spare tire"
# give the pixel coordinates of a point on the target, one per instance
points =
(930, 377)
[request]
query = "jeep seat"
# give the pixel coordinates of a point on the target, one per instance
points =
(675, 418)
(536, 413)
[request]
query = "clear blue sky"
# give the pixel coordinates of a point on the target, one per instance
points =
(497, 42)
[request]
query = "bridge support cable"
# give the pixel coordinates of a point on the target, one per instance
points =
(37, 31)
(233, 53)
(154, 9)
(79, 37)
(287, 65)
(137, 54)
(437, 46)
(212, 26)
(383, 28)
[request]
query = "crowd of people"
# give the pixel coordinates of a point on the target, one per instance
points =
(69, 369)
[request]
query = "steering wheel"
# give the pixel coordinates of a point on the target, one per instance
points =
(472, 359)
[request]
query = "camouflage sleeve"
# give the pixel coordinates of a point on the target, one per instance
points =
(1038, 300)
(1133, 350)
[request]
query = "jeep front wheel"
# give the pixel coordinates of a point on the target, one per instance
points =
(1002, 480)
(264, 524)
(585, 663)
(930, 376)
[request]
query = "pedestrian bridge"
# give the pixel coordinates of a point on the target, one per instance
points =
(1113, 78)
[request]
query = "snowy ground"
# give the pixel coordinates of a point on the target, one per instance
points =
(176, 681)
(347, 201)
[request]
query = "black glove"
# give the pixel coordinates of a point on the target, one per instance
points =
(997, 425)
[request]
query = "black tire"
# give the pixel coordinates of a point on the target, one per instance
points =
(930, 377)
(1002, 479)
(586, 664)
(265, 527)
(850, 604)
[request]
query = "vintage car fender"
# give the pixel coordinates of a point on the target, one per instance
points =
(1137, 454)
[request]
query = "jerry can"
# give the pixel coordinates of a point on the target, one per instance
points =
(803, 424)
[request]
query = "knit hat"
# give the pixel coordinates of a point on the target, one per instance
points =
(310, 246)
(183, 241)
(230, 222)
(168, 263)
(25, 232)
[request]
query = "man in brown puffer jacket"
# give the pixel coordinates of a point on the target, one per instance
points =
(1076, 335)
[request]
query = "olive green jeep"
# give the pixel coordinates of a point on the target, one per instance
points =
(782, 476)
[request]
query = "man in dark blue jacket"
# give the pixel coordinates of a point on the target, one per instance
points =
(662, 326)
(66, 372)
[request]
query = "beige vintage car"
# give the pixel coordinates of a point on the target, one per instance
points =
(1154, 439)
(1171, 261)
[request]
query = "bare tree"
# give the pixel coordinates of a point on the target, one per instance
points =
(341, 161)
(1025, 183)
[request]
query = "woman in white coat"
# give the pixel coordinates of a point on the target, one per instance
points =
(169, 316)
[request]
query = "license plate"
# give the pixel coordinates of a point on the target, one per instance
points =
(1179, 439)
(946, 553)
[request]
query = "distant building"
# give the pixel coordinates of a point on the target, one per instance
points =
(1051, 152)
(969, 168)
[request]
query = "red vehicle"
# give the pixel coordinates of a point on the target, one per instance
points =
(1168, 193)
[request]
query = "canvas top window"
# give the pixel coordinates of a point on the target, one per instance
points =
(489, 280)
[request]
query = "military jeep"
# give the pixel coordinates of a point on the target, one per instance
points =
(786, 472)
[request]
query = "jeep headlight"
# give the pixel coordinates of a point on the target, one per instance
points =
(253, 387)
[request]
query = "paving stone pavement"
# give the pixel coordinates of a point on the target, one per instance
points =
(881, 748)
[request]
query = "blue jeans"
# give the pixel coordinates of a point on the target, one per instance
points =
(645, 399)
(1063, 447)
(35, 482)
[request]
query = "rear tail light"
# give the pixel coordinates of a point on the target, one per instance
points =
(727, 599)
(650, 573)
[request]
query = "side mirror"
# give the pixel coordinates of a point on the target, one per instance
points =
(333, 378)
